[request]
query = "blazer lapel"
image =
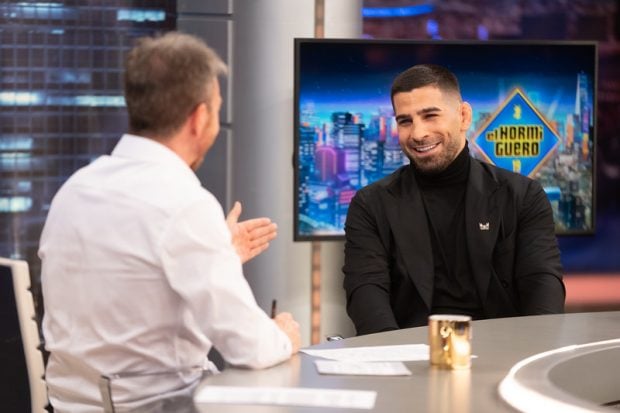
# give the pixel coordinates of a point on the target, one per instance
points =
(411, 234)
(482, 224)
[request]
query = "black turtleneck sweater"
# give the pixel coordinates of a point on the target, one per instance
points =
(443, 193)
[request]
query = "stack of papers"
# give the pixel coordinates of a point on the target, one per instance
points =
(287, 396)
(404, 352)
(362, 368)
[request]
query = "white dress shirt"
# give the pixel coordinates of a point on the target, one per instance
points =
(139, 275)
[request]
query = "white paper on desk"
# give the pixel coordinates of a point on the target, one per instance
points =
(404, 352)
(287, 396)
(371, 368)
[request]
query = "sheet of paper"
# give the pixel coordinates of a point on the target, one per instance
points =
(404, 352)
(371, 368)
(287, 396)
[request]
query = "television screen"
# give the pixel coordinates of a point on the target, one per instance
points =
(533, 113)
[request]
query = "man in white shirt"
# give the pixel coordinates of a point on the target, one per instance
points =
(141, 272)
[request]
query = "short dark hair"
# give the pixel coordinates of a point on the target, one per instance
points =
(166, 77)
(424, 75)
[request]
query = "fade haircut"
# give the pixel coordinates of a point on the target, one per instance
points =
(166, 77)
(425, 75)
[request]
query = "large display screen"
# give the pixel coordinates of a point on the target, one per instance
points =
(533, 113)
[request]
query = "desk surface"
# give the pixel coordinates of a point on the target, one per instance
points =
(499, 344)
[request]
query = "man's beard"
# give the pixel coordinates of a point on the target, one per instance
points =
(436, 164)
(433, 165)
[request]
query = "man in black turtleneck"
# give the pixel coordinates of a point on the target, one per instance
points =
(447, 234)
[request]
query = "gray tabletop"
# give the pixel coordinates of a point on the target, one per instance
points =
(498, 344)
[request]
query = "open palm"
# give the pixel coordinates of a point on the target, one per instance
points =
(250, 237)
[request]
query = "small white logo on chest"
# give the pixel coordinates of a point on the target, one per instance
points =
(484, 226)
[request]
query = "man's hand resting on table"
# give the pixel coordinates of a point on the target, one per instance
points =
(287, 323)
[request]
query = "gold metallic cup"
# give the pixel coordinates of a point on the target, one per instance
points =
(449, 337)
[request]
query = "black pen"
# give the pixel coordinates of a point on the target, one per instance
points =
(274, 304)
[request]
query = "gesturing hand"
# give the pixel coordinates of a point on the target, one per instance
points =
(250, 237)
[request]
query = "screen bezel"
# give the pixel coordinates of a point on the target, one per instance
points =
(299, 42)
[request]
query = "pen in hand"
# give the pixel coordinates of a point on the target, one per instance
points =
(288, 325)
(274, 304)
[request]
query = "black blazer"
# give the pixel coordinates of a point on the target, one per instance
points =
(512, 247)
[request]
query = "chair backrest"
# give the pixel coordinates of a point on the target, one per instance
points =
(17, 321)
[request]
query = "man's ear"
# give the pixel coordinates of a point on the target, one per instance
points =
(199, 119)
(466, 116)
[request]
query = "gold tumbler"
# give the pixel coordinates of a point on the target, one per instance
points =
(449, 338)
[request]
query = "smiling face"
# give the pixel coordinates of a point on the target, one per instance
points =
(431, 126)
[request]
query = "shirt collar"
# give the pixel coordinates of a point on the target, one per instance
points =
(149, 150)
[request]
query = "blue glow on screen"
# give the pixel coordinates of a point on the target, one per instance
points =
(22, 98)
(37, 11)
(140, 15)
(404, 11)
(15, 143)
(15, 204)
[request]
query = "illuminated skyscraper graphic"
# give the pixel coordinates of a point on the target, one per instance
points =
(326, 163)
(61, 100)
(307, 146)
(583, 116)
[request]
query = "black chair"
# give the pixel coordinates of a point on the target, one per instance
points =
(22, 383)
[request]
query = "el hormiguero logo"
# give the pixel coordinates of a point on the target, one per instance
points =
(517, 137)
